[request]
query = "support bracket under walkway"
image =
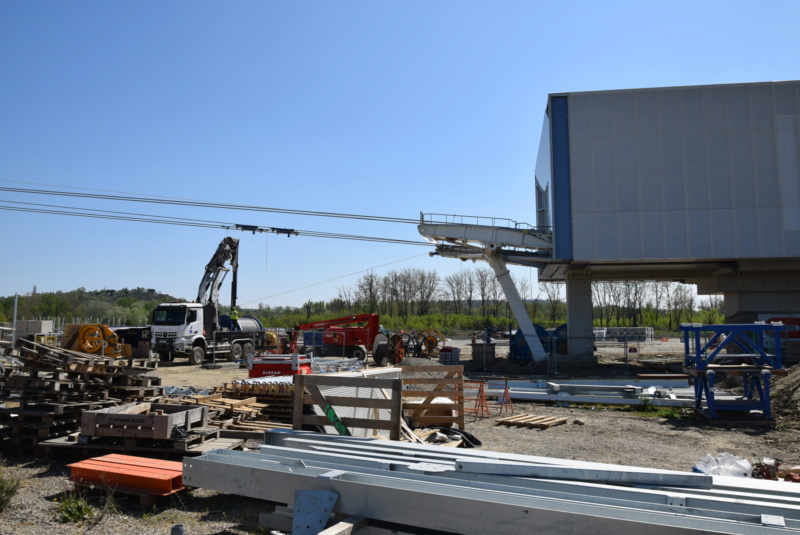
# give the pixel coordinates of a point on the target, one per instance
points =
(484, 242)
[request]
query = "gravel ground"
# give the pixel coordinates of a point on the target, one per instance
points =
(590, 434)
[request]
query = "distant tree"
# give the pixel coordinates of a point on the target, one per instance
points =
(469, 289)
(496, 293)
(368, 291)
(712, 310)
(483, 278)
(553, 293)
(428, 287)
(455, 285)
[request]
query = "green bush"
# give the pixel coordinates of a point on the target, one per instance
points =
(75, 508)
(9, 486)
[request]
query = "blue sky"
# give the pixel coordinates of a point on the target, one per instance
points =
(381, 108)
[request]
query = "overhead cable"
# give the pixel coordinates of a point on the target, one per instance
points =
(206, 204)
(168, 220)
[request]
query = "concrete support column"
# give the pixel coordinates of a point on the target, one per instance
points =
(747, 307)
(579, 318)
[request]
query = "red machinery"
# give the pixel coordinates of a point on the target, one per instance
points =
(351, 337)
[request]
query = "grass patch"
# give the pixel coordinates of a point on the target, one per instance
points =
(74, 507)
(9, 486)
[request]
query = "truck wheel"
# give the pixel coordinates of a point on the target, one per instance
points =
(236, 352)
(248, 348)
(198, 355)
(359, 354)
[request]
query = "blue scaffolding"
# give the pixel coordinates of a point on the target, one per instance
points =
(751, 350)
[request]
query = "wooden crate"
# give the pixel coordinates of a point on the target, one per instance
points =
(142, 420)
(329, 407)
(447, 382)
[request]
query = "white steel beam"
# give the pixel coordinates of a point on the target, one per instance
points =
(495, 258)
(448, 506)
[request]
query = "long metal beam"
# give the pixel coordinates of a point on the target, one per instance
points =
(419, 485)
(655, 497)
(445, 506)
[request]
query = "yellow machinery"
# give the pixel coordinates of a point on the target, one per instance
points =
(92, 338)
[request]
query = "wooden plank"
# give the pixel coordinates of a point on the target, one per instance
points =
(346, 527)
(328, 409)
(330, 380)
(410, 405)
(532, 421)
(430, 395)
(363, 423)
(433, 380)
(364, 403)
(422, 421)
(557, 421)
(396, 413)
(454, 368)
(297, 402)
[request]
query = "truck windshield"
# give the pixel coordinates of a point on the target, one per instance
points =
(169, 316)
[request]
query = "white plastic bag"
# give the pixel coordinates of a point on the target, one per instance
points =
(724, 464)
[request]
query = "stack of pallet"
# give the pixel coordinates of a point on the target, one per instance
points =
(240, 414)
(45, 396)
(277, 395)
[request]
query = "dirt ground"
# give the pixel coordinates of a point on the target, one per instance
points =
(592, 433)
(602, 434)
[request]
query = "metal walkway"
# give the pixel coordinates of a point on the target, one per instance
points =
(498, 242)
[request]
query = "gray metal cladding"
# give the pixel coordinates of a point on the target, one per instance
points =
(695, 173)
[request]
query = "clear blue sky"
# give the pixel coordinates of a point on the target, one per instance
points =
(383, 108)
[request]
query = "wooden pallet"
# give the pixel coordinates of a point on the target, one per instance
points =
(419, 395)
(530, 420)
(196, 446)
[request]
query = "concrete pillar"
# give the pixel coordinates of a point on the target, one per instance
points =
(747, 307)
(579, 318)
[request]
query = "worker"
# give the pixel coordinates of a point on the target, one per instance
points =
(235, 320)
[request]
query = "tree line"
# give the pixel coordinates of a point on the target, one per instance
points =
(410, 298)
(473, 299)
(126, 307)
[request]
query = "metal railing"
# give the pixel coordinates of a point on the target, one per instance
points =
(478, 220)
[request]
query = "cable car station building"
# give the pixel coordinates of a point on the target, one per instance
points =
(694, 184)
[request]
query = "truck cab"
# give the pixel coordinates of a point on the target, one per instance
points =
(178, 328)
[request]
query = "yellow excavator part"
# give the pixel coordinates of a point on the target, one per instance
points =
(96, 337)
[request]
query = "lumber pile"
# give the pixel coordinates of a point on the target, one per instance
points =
(241, 414)
(276, 396)
(45, 396)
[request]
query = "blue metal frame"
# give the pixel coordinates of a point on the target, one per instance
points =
(752, 340)
(740, 335)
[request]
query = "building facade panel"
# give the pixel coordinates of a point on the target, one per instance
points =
(696, 173)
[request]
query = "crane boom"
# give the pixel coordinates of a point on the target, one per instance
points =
(228, 251)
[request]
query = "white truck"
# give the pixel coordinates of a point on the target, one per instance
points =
(196, 330)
